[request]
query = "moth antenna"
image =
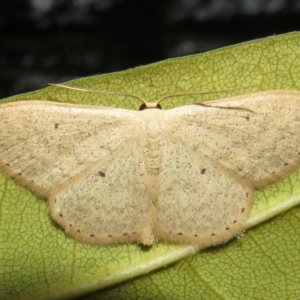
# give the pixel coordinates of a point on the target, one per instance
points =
(147, 104)
(201, 93)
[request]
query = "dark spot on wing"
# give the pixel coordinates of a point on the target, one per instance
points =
(247, 118)
(234, 221)
(102, 174)
(213, 234)
(92, 235)
(124, 233)
(78, 230)
(227, 228)
(56, 125)
(286, 164)
(109, 235)
(195, 235)
(243, 209)
(70, 225)
(179, 233)
(61, 215)
(8, 165)
(203, 171)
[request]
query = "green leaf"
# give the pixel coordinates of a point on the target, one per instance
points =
(38, 261)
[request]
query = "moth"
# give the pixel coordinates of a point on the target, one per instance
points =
(184, 175)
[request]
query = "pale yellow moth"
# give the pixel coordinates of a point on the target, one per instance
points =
(182, 175)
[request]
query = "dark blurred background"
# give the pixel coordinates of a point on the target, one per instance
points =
(56, 40)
